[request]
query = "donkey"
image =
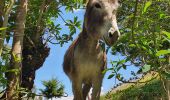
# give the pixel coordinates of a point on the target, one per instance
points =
(85, 59)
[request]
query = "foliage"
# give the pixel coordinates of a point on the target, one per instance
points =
(3, 28)
(4, 64)
(41, 29)
(48, 28)
(53, 88)
(145, 38)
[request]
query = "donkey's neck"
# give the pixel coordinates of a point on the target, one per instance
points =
(88, 42)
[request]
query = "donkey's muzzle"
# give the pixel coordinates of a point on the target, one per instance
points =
(112, 36)
(112, 33)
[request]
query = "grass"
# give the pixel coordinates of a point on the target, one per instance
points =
(152, 90)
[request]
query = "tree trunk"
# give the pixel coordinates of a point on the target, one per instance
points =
(39, 27)
(5, 22)
(36, 54)
(34, 51)
(13, 78)
(2, 4)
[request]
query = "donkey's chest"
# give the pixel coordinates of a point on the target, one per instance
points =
(89, 64)
(90, 58)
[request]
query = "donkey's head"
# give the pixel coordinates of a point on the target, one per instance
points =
(100, 20)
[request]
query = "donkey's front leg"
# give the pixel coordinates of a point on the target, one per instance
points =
(97, 88)
(86, 89)
(77, 90)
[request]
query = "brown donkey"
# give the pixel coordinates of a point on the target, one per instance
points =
(85, 59)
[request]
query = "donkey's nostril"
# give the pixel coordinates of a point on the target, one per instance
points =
(110, 34)
(116, 33)
(97, 5)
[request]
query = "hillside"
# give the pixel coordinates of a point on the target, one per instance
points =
(148, 87)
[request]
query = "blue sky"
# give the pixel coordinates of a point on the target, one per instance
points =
(52, 67)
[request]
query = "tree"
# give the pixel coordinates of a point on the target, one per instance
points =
(5, 14)
(53, 89)
(40, 30)
(39, 24)
(145, 41)
(13, 83)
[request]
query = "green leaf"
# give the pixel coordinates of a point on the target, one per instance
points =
(162, 52)
(166, 33)
(75, 19)
(107, 70)
(166, 75)
(16, 58)
(118, 68)
(162, 15)
(162, 59)
(122, 61)
(147, 4)
(111, 75)
(3, 28)
(113, 62)
(124, 66)
(132, 45)
(146, 68)
(118, 77)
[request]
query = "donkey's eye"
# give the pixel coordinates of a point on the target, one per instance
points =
(97, 5)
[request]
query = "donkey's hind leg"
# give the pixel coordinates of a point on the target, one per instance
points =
(86, 89)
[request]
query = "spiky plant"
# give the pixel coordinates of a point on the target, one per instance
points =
(53, 88)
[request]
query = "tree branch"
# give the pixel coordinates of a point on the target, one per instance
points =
(5, 23)
(138, 81)
(134, 19)
(2, 4)
(42, 8)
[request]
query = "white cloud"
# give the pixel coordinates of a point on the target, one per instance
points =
(77, 10)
